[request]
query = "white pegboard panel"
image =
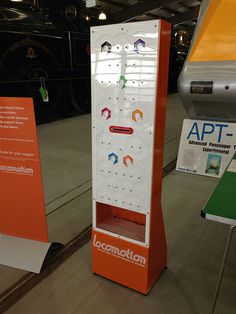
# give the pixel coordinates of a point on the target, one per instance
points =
(124, 61)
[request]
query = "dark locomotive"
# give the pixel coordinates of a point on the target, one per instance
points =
(45, 49)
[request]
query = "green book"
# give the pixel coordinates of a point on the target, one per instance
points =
(221, 206)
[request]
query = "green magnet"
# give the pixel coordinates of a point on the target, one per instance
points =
(123, 81)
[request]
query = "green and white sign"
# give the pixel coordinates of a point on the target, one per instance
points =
(221, 205)
(206, 147)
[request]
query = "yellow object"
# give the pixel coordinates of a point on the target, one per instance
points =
(217, 36)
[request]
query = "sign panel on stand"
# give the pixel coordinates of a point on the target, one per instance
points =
(206, 147)
(129, 89)
(22, 212)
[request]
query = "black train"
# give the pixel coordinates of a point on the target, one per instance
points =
(45, 47)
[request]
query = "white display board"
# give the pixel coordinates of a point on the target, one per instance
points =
(124, 62)
(206, 147)
(23, 254)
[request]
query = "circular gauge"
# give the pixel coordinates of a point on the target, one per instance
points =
(71, 12)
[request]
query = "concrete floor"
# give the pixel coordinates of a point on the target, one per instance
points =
(65, 151)
(195, 245)
(195, 248)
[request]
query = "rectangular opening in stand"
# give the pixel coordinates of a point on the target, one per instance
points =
(121, 221)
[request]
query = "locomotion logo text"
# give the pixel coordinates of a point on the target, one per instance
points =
(125, 254)
(16, 170)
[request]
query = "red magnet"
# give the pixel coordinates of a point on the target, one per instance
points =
(128, 160)
(121, 130)
(106, 113)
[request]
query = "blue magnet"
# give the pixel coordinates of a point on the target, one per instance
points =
(113, 158)
(138, 45)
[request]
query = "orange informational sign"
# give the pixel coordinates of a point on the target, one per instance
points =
(22, 211)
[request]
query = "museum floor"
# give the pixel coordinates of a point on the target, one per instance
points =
(195, 246)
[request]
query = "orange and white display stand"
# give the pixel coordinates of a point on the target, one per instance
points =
(129, 90)
(23, 226)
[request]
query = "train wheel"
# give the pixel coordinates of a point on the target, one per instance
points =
(36, 61)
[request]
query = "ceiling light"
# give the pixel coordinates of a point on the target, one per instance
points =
(90, 3)
(102, 16)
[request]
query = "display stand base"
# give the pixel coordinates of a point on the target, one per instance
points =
(22, 253)
(129, 264)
